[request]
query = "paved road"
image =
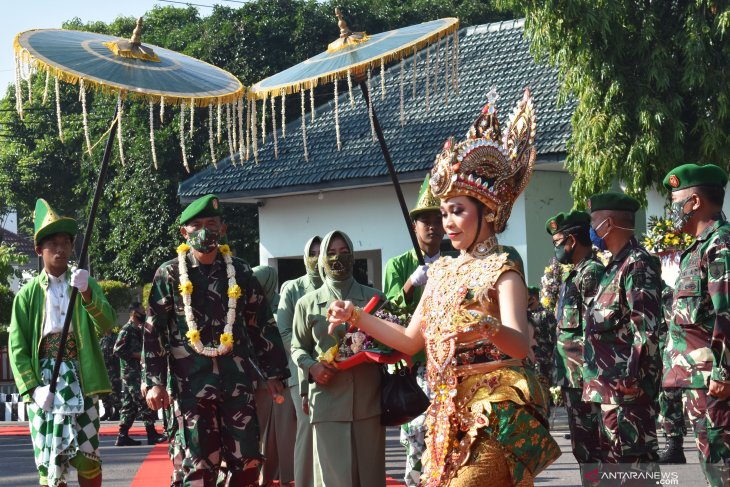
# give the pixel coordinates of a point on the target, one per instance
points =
(121, 464)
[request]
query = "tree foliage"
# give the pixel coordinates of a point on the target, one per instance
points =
(136, 228)
(651, 80)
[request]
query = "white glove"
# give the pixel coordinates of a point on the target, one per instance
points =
(80, 279)
(43, 397)
(420, 276)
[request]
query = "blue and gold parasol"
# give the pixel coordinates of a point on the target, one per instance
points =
(354, 56)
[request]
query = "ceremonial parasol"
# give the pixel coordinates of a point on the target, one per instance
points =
(127, 69)
(353, 57)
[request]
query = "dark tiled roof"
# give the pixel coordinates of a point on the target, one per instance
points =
(22, 244)
(489, 55)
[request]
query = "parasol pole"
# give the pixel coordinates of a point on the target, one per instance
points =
(393, 175)
(85, 247)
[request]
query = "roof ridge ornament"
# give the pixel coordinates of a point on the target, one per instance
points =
(133, 48)
(347, 37)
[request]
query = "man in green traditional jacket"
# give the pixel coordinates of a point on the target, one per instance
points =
(64, 426)
(697, 354)
(571, 240)
(208, 316)
(403, 286)
(291, 292)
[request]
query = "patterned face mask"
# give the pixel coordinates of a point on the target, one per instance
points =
(339, 266)
(312, 265)
(204, 240)
(677, 215)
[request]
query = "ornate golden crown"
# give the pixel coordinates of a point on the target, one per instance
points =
(487, 165)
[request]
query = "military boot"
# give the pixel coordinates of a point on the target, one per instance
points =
(124, 439)
(153, 437)
(673, 452)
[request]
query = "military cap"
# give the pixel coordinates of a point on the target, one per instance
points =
(565, 220)
(688, 175)
(204, 206)
(533, 290)
(426, 200)
(47, 222)
(614, 201)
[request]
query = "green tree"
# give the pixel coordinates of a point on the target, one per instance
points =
(650, 80)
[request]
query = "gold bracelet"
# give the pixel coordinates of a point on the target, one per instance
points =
(355, 315)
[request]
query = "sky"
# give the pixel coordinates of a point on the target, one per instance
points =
(21, 15)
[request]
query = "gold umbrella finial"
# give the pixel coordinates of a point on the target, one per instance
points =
(347, 37)
(132, 47)
(136, 38)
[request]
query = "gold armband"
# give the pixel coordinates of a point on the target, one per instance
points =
(355, 316)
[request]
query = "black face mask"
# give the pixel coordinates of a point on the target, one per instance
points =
(140, 317)
(564, 256)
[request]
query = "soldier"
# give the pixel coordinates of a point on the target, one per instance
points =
(112, 401)
(291, 291)
(64, 426)
(543, 326)
(698, 346)
(622, 361)
(208, 316)
(128, 349)
(671, 410)
(572, 244)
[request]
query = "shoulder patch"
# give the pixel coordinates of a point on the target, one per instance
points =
(717, 269)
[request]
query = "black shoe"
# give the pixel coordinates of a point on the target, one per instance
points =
(673, 452)
(153, 437)
(126, 440)
(566, 436)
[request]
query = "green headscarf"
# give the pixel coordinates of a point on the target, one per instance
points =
(267, 277)
(338, 283)
(310, 263)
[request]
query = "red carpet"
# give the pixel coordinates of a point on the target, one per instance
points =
(106, 430)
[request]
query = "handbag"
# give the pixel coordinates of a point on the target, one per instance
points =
(401, 398)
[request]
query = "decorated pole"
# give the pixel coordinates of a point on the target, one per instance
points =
(85, 246)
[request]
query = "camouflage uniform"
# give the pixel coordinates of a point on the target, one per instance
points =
(215, 395)
(543, 343)
(129, 343)
(671, 410)
(579, 286)
(112, 401)
(622, 350)
(698, 345)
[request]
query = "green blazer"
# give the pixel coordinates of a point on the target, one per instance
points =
(26, 332)
(353, 394)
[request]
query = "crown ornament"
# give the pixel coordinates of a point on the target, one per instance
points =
(488, 165)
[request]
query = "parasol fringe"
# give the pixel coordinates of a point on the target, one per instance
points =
(18, 88)
(182, 138)
(234, 129)
(231, 150)
(211, 145)
(162, 109)
(273, 127)
(311, 101)
(359, 69)
(254, 133)
(382, 79)
(241, 136)
(192, 117)
(120, 135)
(428, 78)
(30, 89)
(414, 65)
(219, 135)
(248, 130)
(263, 121)
(58, 111)
(370, 107)
(349, 88)
(152, 135)
(45, 89)
(283, 115)
(447, 67)
(455, 54)
(337, 118)
(85, 115)
(402, 87)
(437, 67)
(304, 128)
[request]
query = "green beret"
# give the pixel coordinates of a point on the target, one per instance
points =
(613, 201)
(688, 175)
(204, 206)
(533, 290)
(47, 222)
(565, 220)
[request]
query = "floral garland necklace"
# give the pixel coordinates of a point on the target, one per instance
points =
(186, 290)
